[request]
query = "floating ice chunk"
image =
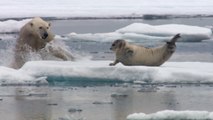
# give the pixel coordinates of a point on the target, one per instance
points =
(86, 70)
(100, 37)
(37, 72)
(12, 26)
(11, 76)
(110, 37)
(172, 115)
(139, 32)
(148, 89)
(188, 33)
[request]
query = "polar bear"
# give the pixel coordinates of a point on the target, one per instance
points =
(33, 37)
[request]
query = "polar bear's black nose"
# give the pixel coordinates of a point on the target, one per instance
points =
(45, 35)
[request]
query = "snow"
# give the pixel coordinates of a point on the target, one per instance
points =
(171, 72)
(174, 115)
(100, 8)
(12, 26)
(188, 33)
(11, 76)
(140, 32)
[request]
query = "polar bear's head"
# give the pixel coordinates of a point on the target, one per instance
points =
(41, 29)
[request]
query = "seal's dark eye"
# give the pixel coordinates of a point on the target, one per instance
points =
(47, 27)
(40, 27)
(113, 44)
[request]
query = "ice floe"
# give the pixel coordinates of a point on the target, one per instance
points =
(188, 33)
(140, 32)
(170, 72)
(12, 26)
(172, 115)
(37, 72)
(11, 76)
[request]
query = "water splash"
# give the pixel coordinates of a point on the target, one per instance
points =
(7, 44)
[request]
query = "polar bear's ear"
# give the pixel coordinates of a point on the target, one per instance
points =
(31, 24)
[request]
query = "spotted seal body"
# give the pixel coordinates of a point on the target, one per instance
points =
(130, 54)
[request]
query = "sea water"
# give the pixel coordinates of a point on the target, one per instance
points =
(105, 102)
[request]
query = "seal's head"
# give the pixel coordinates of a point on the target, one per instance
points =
(118, 44)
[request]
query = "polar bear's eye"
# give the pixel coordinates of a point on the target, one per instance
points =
(40, 27)
(47, 27)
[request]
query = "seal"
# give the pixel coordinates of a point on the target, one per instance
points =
(132, 55)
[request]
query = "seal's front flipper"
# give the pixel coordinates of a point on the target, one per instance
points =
(129, 52)
(114, 63)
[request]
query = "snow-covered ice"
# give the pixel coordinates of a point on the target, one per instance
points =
(172, 115)
(188, 33)
(139, 32)
(170, 72)
(11, 76)
(12, 26)
(100, 8)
